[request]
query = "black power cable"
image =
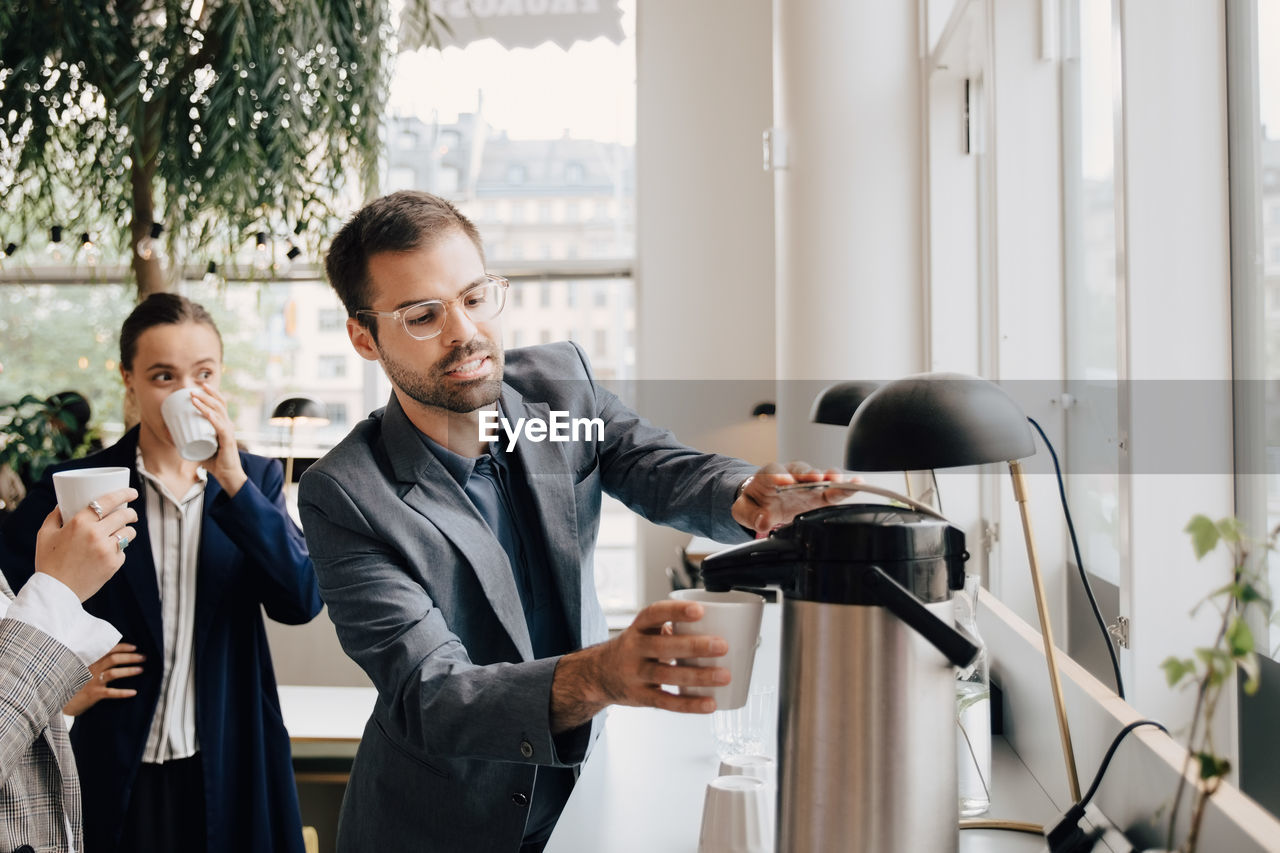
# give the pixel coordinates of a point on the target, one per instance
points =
(1075, 546)
(1067, 836)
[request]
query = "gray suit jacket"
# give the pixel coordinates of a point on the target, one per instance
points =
(40, 796)
(424, 600)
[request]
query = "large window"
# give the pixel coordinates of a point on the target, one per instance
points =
(1254, 84)
(522, 140)
(1093, 243)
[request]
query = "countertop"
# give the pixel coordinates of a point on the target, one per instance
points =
(641, 791)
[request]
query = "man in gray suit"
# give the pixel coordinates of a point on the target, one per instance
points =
(47, 645)
(458, 569)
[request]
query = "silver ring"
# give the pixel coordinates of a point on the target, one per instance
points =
(122, 542)
(102, 676)
(97, 507)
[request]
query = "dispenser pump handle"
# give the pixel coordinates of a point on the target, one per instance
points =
(757, 563)
(954, 643)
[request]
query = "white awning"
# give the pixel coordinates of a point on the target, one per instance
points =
(528, 23)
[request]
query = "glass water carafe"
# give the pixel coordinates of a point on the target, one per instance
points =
(973, 711)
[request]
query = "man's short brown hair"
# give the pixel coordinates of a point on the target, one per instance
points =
(400, 222)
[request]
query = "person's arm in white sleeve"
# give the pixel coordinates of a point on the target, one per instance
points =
(47, 640)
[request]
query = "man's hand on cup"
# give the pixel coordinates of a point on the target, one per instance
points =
(84, 551)
(631, 668)
(642, 658)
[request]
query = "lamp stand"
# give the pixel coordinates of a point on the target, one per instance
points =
(1042, 609)
(288, 462)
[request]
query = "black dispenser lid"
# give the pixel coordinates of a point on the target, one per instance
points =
(872, 533)
(824, 554)
(861, 554)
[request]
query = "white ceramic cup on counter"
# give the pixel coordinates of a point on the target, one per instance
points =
(734, 616)
(75, 489)
(737, 816)
(192, 432)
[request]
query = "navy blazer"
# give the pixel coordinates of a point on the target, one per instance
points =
(252, 556)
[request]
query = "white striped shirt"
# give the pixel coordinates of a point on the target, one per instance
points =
(174, 526)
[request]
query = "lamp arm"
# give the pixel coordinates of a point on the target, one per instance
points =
(867, 487)
(1046, 630)
(288, 465)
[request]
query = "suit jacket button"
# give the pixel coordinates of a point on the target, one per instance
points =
(526, 749)
(520, 799)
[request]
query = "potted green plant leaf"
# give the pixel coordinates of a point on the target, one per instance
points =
(1210, 669)
(35, 433)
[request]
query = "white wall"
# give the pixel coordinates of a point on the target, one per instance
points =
(704, 233)
(849, 222)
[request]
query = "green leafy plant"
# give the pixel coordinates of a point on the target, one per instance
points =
(217, 118)
(1211, 668)
(35, 433)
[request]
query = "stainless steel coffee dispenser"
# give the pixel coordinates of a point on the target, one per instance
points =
(866, 729)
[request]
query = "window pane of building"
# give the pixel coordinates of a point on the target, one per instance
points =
(1092, 286)
(524, 167)
(1268, 134)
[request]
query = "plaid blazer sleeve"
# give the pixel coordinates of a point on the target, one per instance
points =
(39, 791)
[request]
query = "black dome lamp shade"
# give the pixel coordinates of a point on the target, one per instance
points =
(298, 410)
(837, 403)
(936, 420)
(291, 412)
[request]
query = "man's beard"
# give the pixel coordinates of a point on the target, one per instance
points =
(437, 392)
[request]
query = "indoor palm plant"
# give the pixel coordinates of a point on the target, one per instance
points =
(215, 119)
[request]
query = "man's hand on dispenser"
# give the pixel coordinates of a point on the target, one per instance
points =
(631, 668)
(760, 507)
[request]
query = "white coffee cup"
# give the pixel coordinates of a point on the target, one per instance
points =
(192, 432)
(734, 616)
(736, 816)
(75, 489)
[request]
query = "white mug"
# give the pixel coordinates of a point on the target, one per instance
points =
(192, 432)
(734, 616)
(76, 488)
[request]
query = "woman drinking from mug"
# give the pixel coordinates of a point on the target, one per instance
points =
(178, 737)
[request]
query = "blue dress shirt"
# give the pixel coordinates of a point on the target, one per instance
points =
(496, 484)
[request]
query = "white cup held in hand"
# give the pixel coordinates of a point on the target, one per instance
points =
(736, 816)
(75, 489)
(734, 616)
(192, 432)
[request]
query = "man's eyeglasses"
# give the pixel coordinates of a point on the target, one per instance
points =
(425, 320)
